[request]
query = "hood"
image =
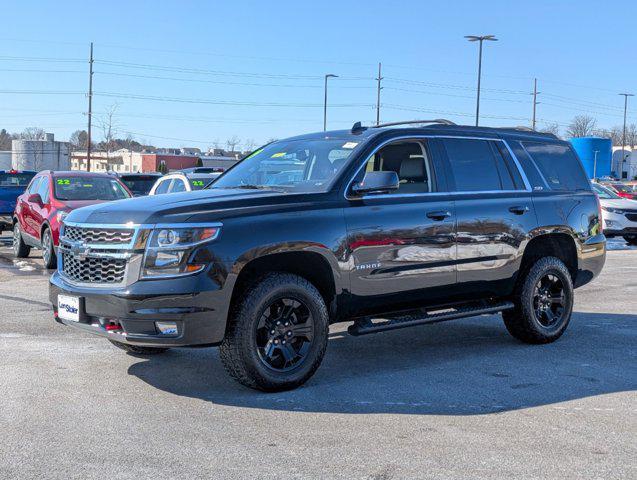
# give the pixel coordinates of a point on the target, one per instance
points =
(623, 203)
(73, 204)
(179, 207)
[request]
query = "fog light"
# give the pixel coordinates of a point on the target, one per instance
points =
(609, 223)
(166, 328)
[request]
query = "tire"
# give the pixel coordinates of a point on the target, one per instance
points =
(137, 350)
(20, 249)
(278, 309)
(631, 239)
(542, 284)
(48, 250)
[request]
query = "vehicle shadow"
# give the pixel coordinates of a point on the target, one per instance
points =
(466, 367)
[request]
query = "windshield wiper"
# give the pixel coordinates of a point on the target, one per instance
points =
(251, 186)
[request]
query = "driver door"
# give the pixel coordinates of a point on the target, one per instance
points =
(402, 245)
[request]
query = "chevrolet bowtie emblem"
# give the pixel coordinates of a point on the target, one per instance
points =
(80, 251)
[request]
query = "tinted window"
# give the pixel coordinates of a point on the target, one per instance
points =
(163, 186)
(509, 164)
(473, 165)
(559, 166)
(88, 188)
(178, 186)
(139, 184)
(15, 179)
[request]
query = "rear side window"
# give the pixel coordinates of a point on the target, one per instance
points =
(178, 186)
(558, 164)
(477, 165)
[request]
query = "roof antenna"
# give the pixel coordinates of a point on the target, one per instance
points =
(358, 128)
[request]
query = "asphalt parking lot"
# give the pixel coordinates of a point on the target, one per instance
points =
(456, 400)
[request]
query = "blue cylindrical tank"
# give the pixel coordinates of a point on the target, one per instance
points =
(588, 148)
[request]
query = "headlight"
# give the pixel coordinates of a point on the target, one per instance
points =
(60, 216)
(618, 211)
(168, 250)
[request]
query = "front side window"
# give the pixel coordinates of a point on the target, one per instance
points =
(43, 190)
(88, 188)
(33, 187)
(475, 166)
(410, 161)
(291, 166)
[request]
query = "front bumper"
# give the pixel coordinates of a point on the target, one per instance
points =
(197, 304)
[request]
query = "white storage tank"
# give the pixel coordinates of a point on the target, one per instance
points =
(46, 154)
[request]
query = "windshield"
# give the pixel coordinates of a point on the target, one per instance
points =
(89, 188)
(15, 179)
(603, 192)
(139, 185)
(197, 182)
(292, 166)
(622, 187)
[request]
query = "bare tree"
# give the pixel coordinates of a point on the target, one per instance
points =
(232, 143)
(631, 135)
(551, 127)
(581, 126)
(250, 144)
(5, 140)
(109, 126)
(79, 139)
(32, 133)
(216, 143)
(272, 139)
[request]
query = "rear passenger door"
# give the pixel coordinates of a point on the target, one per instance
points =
(494, 213)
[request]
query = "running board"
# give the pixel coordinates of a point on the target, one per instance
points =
(367, 325)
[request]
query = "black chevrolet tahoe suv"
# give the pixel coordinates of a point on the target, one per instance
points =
(385, 227)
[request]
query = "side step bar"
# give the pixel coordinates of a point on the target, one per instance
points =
(367, 325)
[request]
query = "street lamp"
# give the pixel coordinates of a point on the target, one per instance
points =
(329, 75)
(479, 38)
(624, 156)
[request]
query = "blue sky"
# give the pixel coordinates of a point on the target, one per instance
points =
(192, 73)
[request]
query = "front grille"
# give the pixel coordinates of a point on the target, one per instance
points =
(106, 236)
(632, 217)
(93, 270)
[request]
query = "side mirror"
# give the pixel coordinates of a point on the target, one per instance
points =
(35, 198)
(377, 182)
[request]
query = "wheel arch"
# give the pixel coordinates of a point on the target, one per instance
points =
(559, 243)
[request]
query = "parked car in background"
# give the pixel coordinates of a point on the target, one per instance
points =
(182, 182)
(202, 170)
(12, 185)
(624, 190)
(619, 214)
(139, 183)
(49, 198)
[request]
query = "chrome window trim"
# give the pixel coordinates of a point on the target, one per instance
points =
(417, 137)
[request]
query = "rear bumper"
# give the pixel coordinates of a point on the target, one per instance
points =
(197, 304)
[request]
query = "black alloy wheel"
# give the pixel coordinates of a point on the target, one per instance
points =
(284, 334)
(549, 300)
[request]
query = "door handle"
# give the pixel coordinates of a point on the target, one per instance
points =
(519, 209)
(438, 215)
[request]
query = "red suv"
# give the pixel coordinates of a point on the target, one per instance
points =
(48, 199)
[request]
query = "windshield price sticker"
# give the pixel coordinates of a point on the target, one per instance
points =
(278, 155)
(63, 181)
(350, 145)
(197, 183)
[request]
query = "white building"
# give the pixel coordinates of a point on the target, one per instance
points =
(120, 161)
(37, 155)
(628, 168)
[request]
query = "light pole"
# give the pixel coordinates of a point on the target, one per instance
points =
(329, 75)
(620, 167)
(479, 38)
(595, 165)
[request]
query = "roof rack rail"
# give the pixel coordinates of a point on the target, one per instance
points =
(442, 121)
(522, 128)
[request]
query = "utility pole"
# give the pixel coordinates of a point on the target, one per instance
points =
(378, 95)
(535, 102)
(623, 155)
(90, 110)
(479, 38)
(329, 75)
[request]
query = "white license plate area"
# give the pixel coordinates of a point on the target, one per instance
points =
(69, 308)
